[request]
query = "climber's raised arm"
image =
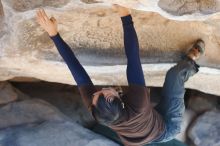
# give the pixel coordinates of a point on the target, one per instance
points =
(80, 75)
(135, 75)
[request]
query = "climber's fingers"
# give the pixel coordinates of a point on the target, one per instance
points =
(53, 20)
(44, 15)
(40, 15)
(40, 19)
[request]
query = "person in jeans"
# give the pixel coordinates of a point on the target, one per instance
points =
(131, 114)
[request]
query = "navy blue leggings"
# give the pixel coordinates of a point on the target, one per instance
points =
(134, 70)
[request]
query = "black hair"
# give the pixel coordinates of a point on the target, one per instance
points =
(107, 113)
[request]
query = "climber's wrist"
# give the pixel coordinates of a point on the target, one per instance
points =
(53, 33)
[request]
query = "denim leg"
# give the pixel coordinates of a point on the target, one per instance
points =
(172, 107)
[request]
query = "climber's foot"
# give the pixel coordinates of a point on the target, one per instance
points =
(197, 50)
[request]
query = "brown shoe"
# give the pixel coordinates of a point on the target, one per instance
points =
(197, 50)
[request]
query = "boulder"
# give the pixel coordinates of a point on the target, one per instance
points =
(94, 32)
(205, 130)
(29, 111)
(174, 9)
(200, 102)
(52, 133)
(7, 93)
(182, 7)
(25, 5)
(64, 97)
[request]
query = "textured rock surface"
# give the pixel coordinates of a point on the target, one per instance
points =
(52, 134)
(94, 32)
(24, 5)
(195, 9)
(64, 97)
(205, 131)
(7, 93)
(181, 7)
(35, 122)
(199, 102)
(28, 111)
(89, 1)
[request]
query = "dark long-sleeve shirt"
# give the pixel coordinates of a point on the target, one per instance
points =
(81, 77)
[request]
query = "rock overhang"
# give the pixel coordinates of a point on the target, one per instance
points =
(94, 32)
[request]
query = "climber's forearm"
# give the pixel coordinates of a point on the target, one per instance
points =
(50, 26)
(78, 72)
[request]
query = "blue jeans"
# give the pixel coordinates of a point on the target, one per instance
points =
(171, 106)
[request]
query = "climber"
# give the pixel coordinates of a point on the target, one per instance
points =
(131, 114)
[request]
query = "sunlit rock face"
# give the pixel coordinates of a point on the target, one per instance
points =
(94, 32)
(181, 7)
(25, 5)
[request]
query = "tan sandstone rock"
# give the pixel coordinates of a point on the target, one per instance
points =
(94, 32)
(24, 5)
(181, 7)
